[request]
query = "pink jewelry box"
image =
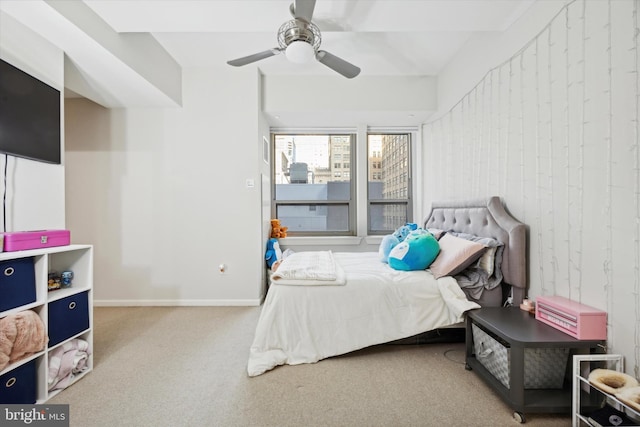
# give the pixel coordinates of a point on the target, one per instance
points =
(23, 240)
(578, 320)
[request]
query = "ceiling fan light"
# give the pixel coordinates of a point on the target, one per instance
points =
(300, 52)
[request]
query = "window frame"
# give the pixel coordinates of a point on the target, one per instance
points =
(408, 201)
(359, 208)
(351, 203)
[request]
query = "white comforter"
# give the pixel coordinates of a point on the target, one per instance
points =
(304, 324)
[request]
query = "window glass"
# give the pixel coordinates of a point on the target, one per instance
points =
(309, 172)
(388, 182)
(314, 218)
(314, 183)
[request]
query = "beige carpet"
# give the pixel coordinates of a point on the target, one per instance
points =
(186, 366)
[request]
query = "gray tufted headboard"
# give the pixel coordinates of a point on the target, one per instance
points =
(488, 218)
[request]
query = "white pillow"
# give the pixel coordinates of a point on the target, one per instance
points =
(487, 260)
(436, 232)
(455, 255)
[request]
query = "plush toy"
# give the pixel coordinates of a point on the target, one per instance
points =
(402, 232)
(416, 252)
(419, 232)
(391, 240)
(273, 255)
(277, 230)
(388, 243)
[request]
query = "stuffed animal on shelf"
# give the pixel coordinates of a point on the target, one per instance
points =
(277, 230)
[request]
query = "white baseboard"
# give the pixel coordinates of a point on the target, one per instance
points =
(177, 303)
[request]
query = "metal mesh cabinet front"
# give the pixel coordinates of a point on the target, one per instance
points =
(543, 367)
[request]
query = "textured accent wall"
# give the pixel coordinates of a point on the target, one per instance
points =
(554, 132)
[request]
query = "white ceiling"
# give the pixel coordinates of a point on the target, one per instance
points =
(382, 37)
(115, 56)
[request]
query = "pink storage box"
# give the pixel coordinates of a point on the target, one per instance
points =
(23, 240)
(578, 320)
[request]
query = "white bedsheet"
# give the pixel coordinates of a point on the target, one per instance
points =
(305, 324)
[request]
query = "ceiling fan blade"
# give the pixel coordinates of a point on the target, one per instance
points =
(255, 57)
(303, 9)
(338, 65)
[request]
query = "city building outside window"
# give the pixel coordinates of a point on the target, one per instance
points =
(313, 193)
(314, 182)
(389, 184)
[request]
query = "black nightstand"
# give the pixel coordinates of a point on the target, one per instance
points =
(516, 332)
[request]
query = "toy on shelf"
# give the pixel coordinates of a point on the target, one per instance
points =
(54, 281)
(277, 230)
(66, 278)
(59, 280)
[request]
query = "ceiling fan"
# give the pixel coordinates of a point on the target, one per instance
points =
(300, 40)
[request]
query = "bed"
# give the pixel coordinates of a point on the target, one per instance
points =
(371, 303)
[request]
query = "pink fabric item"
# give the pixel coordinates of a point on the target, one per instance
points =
(21, 334)
(66, 361)
(455, 255)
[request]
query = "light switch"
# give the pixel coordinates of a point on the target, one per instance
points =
(250, 183)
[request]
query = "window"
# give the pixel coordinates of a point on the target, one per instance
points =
(314, 179)
(312, 194)
(389, 203)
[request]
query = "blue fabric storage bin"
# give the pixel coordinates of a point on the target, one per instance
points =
(19, 385)
(17, 283)
(68, 317)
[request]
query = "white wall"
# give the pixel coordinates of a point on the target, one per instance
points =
(333, 101)
(162, 193)
(35, 190)
(264, 160)
(553, 129)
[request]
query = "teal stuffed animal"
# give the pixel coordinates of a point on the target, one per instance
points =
(388, 243)
(391, 240)
(417, 252)
(402, 232)
(418, 232)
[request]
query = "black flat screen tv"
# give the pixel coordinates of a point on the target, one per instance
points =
(29, 116)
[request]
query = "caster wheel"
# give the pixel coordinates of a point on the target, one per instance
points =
(467, 367)
(519, 417)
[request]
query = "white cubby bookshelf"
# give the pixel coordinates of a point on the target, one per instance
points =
(77, 258)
